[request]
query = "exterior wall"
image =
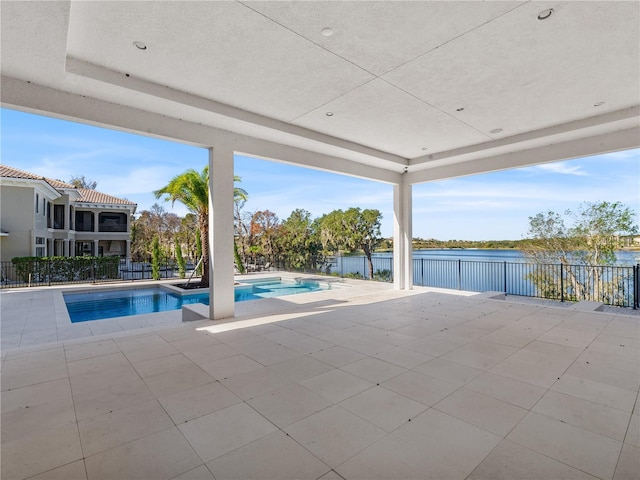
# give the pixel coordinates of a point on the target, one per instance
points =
(40, 219)
(17, 216)
(33, 233)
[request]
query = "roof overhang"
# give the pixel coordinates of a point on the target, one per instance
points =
(436, 89)
(41, 186)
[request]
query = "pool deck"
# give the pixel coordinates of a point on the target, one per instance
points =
(361, 382)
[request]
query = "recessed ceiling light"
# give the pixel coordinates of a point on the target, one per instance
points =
(326, 32)
(598, 104)
(543, 15)
(459, 109)
(329, 114)
(495, 130)
(139, 45)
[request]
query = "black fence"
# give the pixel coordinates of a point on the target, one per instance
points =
(611, 285)
(60, 271)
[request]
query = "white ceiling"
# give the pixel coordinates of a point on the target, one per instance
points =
(423, 85)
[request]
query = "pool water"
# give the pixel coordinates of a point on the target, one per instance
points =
(88, 306)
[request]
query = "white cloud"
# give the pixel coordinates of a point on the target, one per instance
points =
(562, 168)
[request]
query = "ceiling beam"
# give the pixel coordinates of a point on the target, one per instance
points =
(125, 80)
(583, 147)
(30, 97)
(585, 127)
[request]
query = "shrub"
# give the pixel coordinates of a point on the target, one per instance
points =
(155, 259)
(383, 276)
(65, 269)
(353, 275)
(180, 259)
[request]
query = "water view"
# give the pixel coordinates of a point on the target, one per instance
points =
(625, 257)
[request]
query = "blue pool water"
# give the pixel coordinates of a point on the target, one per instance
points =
(83, 307)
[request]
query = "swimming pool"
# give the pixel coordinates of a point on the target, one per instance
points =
(86, 306)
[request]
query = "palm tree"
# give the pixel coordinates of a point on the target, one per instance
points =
(191, 188)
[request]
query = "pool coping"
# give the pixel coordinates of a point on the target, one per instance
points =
(190, 312)
(37, 316)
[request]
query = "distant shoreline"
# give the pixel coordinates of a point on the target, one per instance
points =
(390, 250)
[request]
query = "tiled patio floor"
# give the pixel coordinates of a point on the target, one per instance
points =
(378, 385)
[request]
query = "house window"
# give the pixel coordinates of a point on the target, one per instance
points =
(112, 222)
(44, 206)
(58, 217)
(40, 247)
(37, 203)
(84, 221)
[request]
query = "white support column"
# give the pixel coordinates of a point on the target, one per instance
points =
(221, 289)
(95, 247)
(127, 250)
(402, 237)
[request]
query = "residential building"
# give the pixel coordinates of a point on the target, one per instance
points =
(45, 217)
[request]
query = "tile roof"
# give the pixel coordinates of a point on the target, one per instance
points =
(87, 196)
(58, 183)
(92, 196)
(10, 172)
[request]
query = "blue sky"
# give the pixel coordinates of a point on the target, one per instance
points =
(492, 206)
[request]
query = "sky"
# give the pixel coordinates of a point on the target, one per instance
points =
(493, 206)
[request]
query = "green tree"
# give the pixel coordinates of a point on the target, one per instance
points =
(191, 188)
(581, 242)
(351, 230)
(155, 259)
(298, 240)
(155, 222)
(180, 259)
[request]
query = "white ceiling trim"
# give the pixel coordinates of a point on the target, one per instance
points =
(122, 79)
(594, 145)
(583, 128)
(43, 100)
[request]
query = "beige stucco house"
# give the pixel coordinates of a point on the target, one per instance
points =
(45, 217)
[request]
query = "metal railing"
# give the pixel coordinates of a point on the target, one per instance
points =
(47, 273)
(611, 285)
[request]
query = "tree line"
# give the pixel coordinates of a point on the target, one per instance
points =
(299, 241)
(587, 238)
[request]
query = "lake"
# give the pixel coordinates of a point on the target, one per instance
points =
(625, 257)
(494, 270)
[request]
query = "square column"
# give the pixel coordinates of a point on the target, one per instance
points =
(402, 237)
(221, 289)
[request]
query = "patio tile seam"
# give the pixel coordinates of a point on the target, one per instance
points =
(593, 474)
(137, 439)
(526, 447)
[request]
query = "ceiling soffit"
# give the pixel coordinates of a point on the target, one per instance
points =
(413, 83)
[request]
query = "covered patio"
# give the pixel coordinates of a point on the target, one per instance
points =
(395, 93)
(389, 383)
(373, 384)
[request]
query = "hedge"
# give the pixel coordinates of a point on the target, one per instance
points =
(66, 269)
